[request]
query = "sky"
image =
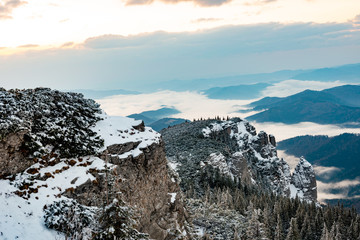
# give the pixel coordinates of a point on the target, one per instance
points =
(125, 44)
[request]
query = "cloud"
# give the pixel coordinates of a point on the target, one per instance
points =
(259, 2)
(137, 61)
(342, 187)
(290, 87)
(29, 46)
(243, 39)
(285, 131)
(326, 172)
(200, 20)
(190, 104)
(7, 7)
(356, 20)
(68, 44)
(203, 3)
(64, 20)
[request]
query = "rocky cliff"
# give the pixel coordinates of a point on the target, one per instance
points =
(235, 149)
(68, 170)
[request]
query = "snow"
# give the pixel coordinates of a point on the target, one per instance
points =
(120, 130)
(173, 165)
(295, 191)
(23, 218)
(217, 160)
(173, 197)
(200, 231)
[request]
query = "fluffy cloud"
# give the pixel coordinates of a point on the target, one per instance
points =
(7, 7)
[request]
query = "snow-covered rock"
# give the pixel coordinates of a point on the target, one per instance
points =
(303, 181)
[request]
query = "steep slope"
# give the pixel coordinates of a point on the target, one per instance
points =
(85, 175)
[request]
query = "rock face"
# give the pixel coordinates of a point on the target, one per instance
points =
(143, 182)
(304, 180)
(13, 157)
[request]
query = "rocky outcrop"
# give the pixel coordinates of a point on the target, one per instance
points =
(233, 147)
(304, 180)
(148, 186)
(143, 183)
(13, 156)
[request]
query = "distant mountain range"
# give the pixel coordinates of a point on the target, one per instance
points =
(237, 92)
(349, 73)
(250, 86)
(246, 86)
(337, 105)
(207, 83)
(159, 119)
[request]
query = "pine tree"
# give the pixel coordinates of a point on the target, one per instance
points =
(279, 235)
(332, 231)
(338, 235)
(293, 233)
(268, 223)
(255, 230)
(304, 230)
(325, 233)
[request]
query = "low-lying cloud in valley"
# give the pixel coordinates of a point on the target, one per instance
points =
(284, 131)
(324, 189)
(190, 104)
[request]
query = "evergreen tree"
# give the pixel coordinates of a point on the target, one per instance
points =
(293, 233)
(325, 233)
(332, 231)
(268, 223)
(279, 235)
(255, 230)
